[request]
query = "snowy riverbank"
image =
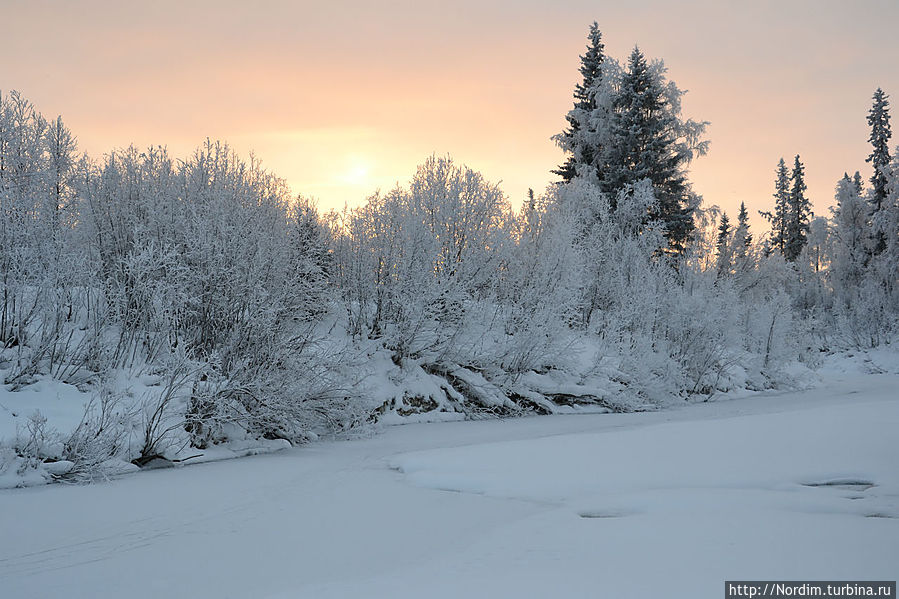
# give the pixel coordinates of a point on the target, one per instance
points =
(799, 485)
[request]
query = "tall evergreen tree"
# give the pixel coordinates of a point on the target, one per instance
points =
(743, 236)
(778, 217)
(644, 145)
(723, 246)
(309, 255)
(879, 121)
(582, 154)
(798, 215)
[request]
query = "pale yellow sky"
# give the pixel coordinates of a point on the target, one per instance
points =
(341, 98)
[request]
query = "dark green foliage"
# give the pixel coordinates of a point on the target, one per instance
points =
(779, 216)
(744, 237)
(584, 103)
(723, 246)
(879, 121)
(799, 214)
(643, 145)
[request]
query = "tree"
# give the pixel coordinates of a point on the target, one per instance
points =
(850, 222)
(885, 265)
(648, 140)
(61, 148)
(626, 126)
(857, 183)
(879, 121)
(743, 236)
(424, 258)
(723, 246)
(798, 215)
(581, 151)
(309, 256)
(779, 216)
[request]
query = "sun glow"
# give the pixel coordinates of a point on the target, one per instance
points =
(357, 172)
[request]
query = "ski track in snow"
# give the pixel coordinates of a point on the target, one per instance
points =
(536, 507)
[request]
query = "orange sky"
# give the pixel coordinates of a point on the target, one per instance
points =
(341, 98)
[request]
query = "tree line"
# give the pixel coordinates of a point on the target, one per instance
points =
(261, 316)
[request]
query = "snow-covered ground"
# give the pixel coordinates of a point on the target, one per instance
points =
(790, 486)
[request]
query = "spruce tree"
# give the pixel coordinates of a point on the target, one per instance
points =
(743, 236)
(857, 183)
(798, 215)
(644, 145)
(779, 216)
(309, 256)
(723, 246)
(582, 154)
(879, 121)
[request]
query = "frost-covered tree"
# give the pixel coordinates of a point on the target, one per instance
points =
(614, 244)
(39, 263)
(628, 127)
(539, 287)
(879, 121)
(649, 140)
(885, 266)
(446, 278)
(61, 153)
(798, 213)
(779, 217)
(201, 265)
(723, 247)
(419, 259)
(310, 256)
(864, 310)
(742, 235)
(818, 245)
(850, 224)
(578, 140)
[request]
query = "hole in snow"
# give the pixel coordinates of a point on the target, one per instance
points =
(847, 484)
(602, 514)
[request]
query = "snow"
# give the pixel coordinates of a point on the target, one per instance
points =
(667, 503)
(61, 404)
(61, 407)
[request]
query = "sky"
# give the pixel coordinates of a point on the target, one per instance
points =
(342, 98)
